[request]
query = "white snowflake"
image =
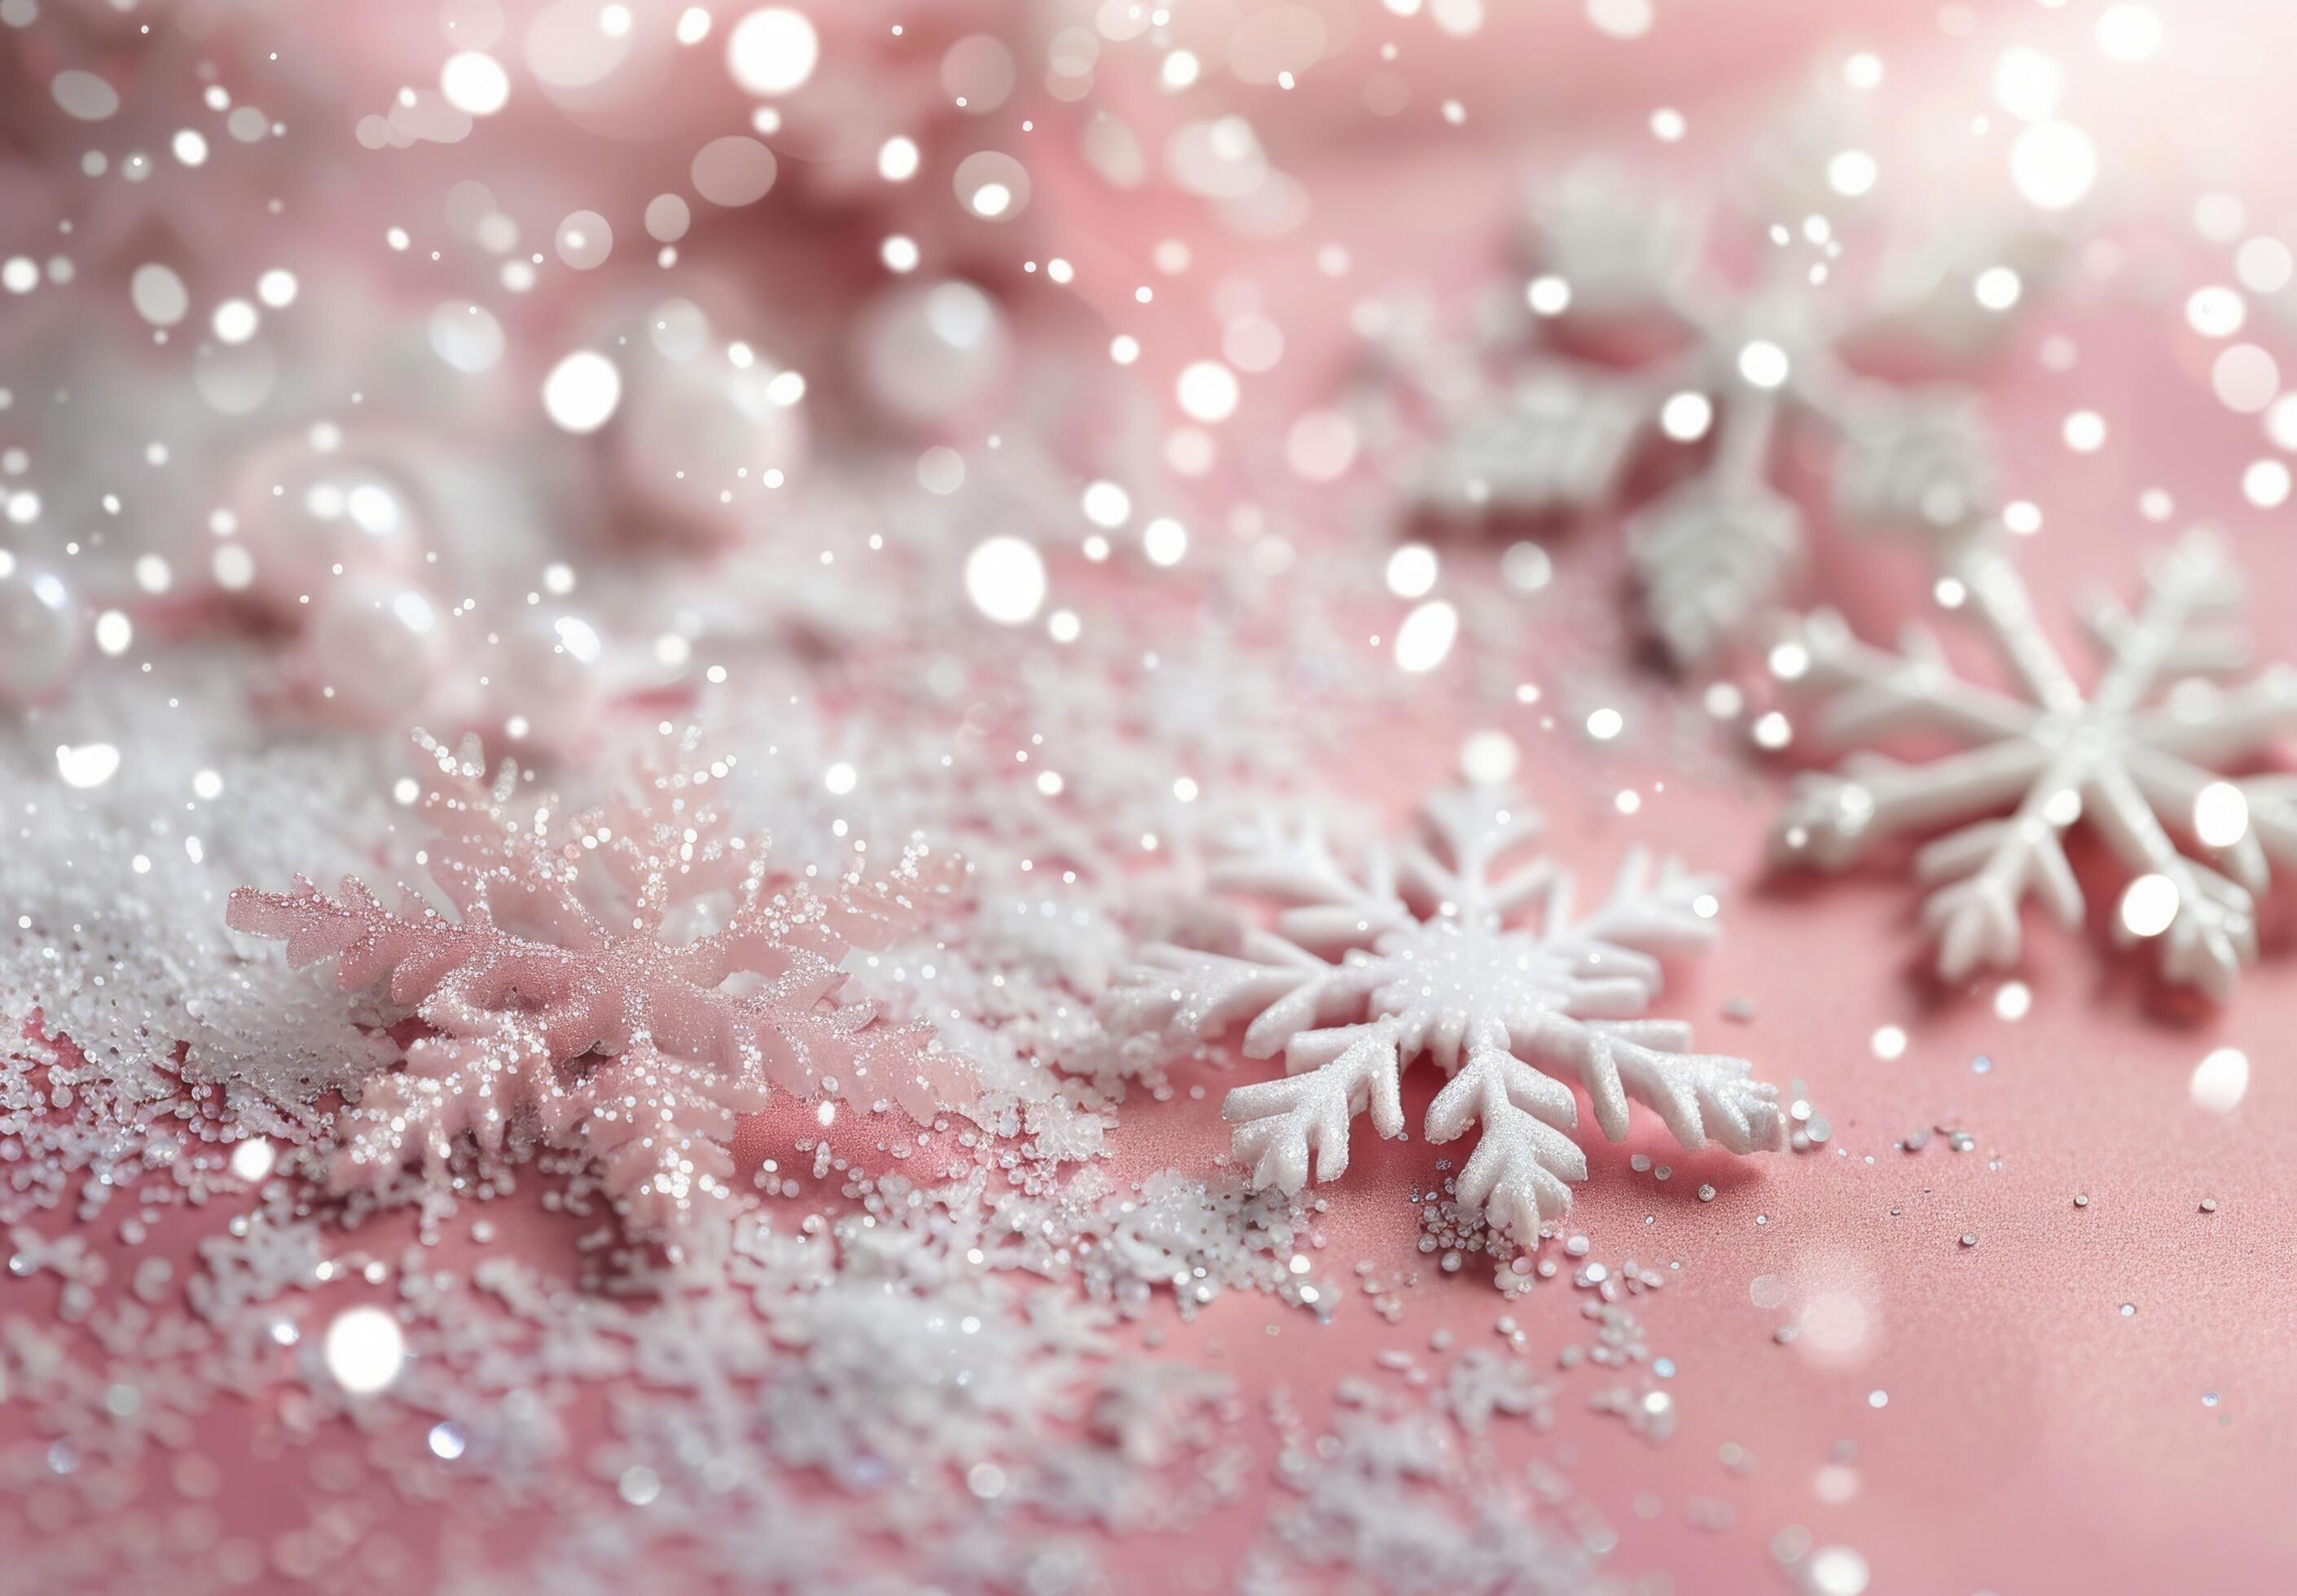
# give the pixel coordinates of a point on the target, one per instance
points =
(1355, 982)
(1713, 550)
(2132, 755)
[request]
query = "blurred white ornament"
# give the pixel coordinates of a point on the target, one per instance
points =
(929, 352)
(699, 436)
(373, 650)
(331, 515)
(538, 684)
(466, 336)
(1735, 364)
(41, 634)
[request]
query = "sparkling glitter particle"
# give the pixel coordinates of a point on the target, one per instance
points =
(582, 392)
(772, 52)
(364, 1349)
(1005, 579)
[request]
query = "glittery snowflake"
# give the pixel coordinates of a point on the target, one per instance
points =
(1426, 952)
(1715, 549)
(2133, 754)
(630, 978)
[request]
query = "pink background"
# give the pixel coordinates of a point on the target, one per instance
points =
(2036, 1439)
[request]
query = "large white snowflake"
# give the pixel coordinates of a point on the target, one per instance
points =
(1432, 951)
(1713, 550)
(2131, 755)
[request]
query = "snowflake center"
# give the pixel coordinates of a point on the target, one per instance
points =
(2089, 731)
(1451, 968)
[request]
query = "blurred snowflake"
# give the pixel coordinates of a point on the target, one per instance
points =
(2131, 759)
(1738, 360)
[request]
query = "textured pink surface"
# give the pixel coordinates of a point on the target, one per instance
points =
(2000, 1423)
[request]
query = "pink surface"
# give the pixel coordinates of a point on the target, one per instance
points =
(2037, 1365)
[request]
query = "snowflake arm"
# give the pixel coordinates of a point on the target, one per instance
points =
(1322, 905)
(1696, 1095)
(1714, 551)
(1279, 989)
(1710, 556)
(1560, 440)
(1917, 462)
(2213, 929)
(2269, 803)
(1982, 874)
(1522, 1159)
(1474, 835)
(1654, 909)
(1332, 1075)
(1874, 691)
(451, 1087)
(2220, 725)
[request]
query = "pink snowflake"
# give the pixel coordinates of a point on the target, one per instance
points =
(632, 977)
